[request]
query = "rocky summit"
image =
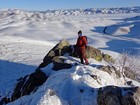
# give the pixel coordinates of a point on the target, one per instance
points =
(61, 77)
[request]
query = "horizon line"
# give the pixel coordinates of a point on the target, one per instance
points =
(67, 8)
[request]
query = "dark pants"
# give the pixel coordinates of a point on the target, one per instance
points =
(82, 55)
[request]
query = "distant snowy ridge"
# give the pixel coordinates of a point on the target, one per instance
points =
(90, 11)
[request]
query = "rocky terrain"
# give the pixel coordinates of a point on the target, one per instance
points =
(62, 59)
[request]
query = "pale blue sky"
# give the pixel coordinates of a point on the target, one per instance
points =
(65, 4)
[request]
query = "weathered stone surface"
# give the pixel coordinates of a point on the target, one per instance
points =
(109, 95)
(130, 73)
(5, 100)
(60, 49)
(64, 47)
(107, 58)
(26, 85)
(59, 63)
(94, 53)
(94, 77)
(111, 70)
(29, 84)
(91, 52)
(113, 95)
(131, 96)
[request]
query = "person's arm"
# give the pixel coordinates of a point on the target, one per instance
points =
(77, 41)
(85, 41)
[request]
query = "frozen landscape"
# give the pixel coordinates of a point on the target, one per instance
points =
(27, 36)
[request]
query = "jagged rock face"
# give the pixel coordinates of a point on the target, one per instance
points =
(94, 53)
(108, 58)
(130, 74)
(91, 52)
(27, 85)
(59, 63)
(64, 47)
(110, 95)
(113, 95)
(131, 96)
(30, 82)
(111, 70)
(60, 49)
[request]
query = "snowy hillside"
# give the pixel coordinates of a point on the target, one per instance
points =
(27, 36)
(65, 87)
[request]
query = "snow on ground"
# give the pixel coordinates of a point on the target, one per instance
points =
(128, 28)
(65, 87)
(24, 41)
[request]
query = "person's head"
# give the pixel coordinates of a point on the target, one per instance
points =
(80, 33)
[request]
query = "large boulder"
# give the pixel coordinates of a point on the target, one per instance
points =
(59, 63)
(94, 53)
(110, 95)
(26, 86)
(111, 70)
(29, 84)
(113, 95)
(130, 73)
(91, 52)
(60, 49)
(64, 47)
(131, 96)
(108, 58)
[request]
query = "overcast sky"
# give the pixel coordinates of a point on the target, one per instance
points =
(65, 4)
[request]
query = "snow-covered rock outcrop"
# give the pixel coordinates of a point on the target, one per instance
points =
(79, 84)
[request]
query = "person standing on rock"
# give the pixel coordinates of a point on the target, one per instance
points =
(81, 47)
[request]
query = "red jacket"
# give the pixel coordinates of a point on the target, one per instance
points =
(81, 42)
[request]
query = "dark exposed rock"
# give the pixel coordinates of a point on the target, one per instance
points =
(94, 53)
(81, 90)
(26, 85)
(117, 72)
(94, 77)
(29, 84)
(131, 96)
(52, 93)
(4, 100)
(60, 49)
(110, 95)
(129, 82)
(107, 58)
(17, 91)
(113, 95)
(91, 52)
(130, 74)
(59, 63)
(64, 47)
(107, 69)
(111, 70)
